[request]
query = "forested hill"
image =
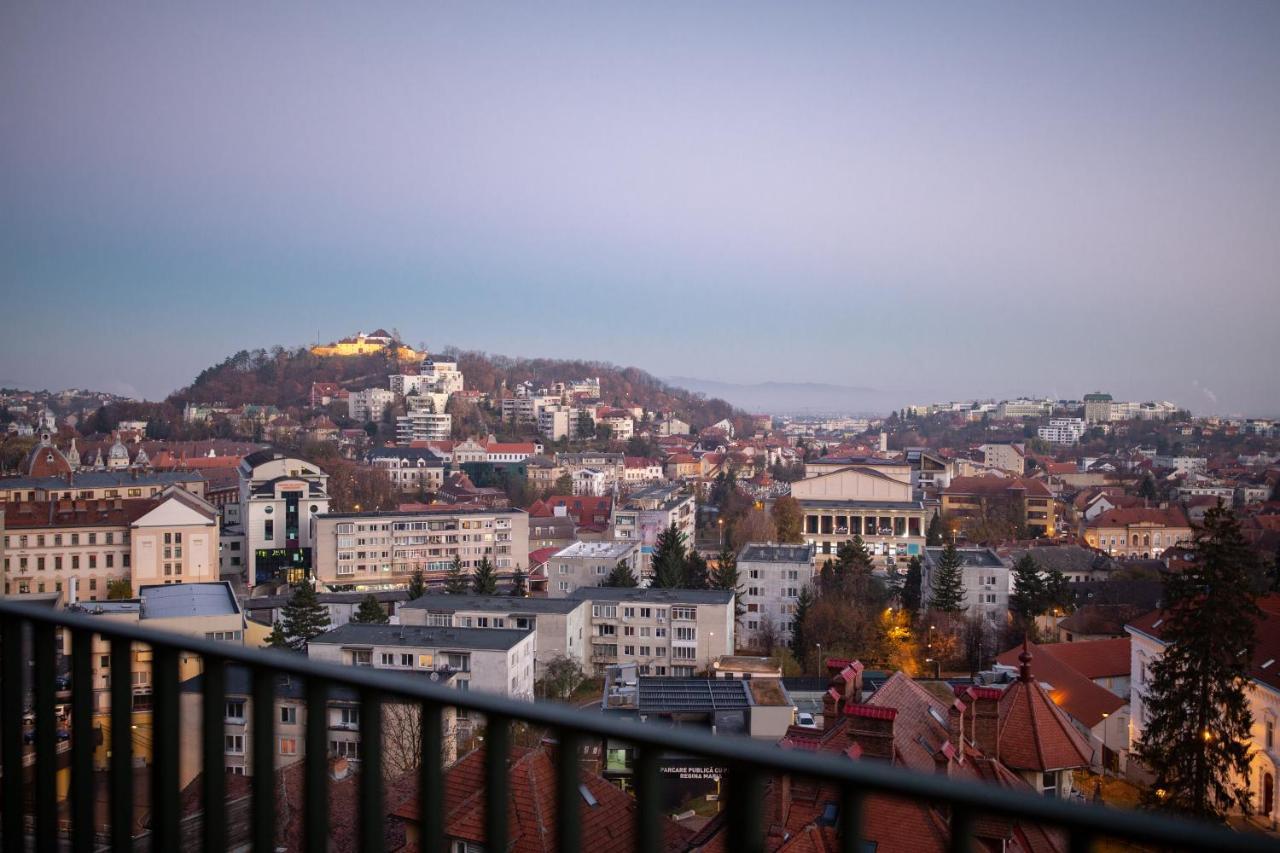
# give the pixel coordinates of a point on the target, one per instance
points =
(283, 377)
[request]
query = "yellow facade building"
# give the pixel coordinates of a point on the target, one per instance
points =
(374, 342)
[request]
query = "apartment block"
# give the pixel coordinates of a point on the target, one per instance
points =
(588, 564)
(675, 632)
(772, 578)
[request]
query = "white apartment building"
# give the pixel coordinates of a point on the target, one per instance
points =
(382, 550)
(1006, 457)
(648, 512)
(425, 420)
(280, 496)
(588, 564)
(621, 427)
(772, 578)
(1013, 409)
(589, 481)
(487, 659)
(675, 632)
(409, 468)
(1062, 431)
(986, 579)
(561, 625)
(370, 404)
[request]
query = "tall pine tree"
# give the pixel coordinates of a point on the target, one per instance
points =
(669, 558)
(799, 641)
(1197, 738)
(370, 612)
(519, 589)
(278, 639)
(725, 577)
(911, 590)
(417, 585)
(695, 571)
(946, 587)
(304, 617)
(1028, 599)
(933, 536)
(455, 582)
(485, 580)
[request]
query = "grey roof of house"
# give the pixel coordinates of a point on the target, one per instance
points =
(272, 601)
(969, 556)
(414, 453)
(174, 601)
(494, 603)
(769, 553)
(239, 683)
(103, 480)
(485, 639)
(675, 695)
(423, 514)
(1066, 558)
(646, 595)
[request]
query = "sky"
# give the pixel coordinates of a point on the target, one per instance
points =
(930, 200)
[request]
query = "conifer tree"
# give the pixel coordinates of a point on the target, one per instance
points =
(277, 639)
(519, 589)
(725, 577)
(304, 617)
(933, 536)
(485, 580)
(456, 583)
(1198, 733)
(669, 558)
(911, 586)
(1029, 598)
(799, 642)
(621, 576)
(370, 612)
(417, 585)
(947, 584)
(695, 571)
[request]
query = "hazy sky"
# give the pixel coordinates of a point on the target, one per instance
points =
(933, 200)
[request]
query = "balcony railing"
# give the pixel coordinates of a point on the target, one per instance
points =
(749, 764)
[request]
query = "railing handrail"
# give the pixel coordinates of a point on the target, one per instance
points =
(867, 777)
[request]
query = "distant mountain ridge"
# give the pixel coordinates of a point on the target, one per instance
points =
(793, 397)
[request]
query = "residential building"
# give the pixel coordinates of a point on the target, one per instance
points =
(371, 404)
(341, 606)
(1062, 431)
(1144, 532)
(638, 470)
(677, 632)
(1097, 408)
(588, 564)
(756, 707)
(175, 542)
(772, 577)
(645, 513)
(498, 661)
(280, 496)
(410, 469)
(425, 420)
(1015, 409)
(929, 471)
(1005, 499)
(863, 500)
(986, 580)
(1006, 457)
(561, 625)
(99, 485)
(382, 550)
(589, 481)
(1262, 691)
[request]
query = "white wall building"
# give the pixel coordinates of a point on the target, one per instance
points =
(1062, 431)
(772, 577)
(675, 632)
(588, 564)
(280, 495)
(370, 404)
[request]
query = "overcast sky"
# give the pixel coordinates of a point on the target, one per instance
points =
(930, 200)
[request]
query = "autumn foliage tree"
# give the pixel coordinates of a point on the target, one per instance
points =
(788, 520)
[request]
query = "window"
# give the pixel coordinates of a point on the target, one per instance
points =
(1270, 733)
(425, 661)
(234, 744)
(349, 716)
(683, 613)
(406, 660)
(1049, 784)
(345, 749)
(606, 630)
(361, 657)
(289, 714)
(233, 710)
(388, 659)
(604, 611)
(684, 652)
(685, 633)
(564, 586)
(269, 530)
(287, 745)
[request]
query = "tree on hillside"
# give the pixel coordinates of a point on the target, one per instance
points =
(788, 519)
(621, 576)
(1198, 734)
(417, 585)
(586, 426)
(370, 612)
(695, 571)
(669, 558)
(456, 582)
(1147, 489)
(911, 589)
(484, 581)
(947, 584)
(519, 589)
(304, 617)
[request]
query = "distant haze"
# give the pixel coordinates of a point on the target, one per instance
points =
(928, 200)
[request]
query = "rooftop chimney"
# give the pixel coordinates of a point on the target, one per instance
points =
(986, 720)
(955, 726)
(871, 729)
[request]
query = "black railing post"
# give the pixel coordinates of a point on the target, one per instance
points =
(164, 745)
(1080, 840)
(316, 767)
(961, 830)
(46, 789)
(264, 760)
(372, 815)
(745, 794)
(850, 819)
(431, 779)
(213, 755)
(645, 778)
(83, 786)
(496, 745)
(121, 677)
(13, 658)
(568, 799)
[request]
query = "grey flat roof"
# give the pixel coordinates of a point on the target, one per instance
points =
(174, 601)
(443, 512)
(969, 556)
(494, 603)
(240, 684)
(646, 595)
(489, 639)
(766, 553)
(674, 695)
(102, 480)
(382, 596)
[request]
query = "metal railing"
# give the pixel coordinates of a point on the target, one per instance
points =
(748, 764)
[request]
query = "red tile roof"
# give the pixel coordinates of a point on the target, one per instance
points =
(1035, 734)
(1070, 689)
(1125, 516)
(994, 486)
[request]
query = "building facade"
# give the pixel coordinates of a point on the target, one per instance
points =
(588, 564)
(280, 495)
(675, 632)
(772, 578)
(861, 500)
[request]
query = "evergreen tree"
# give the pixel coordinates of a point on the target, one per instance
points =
(799, 642)
(933, 536)
(455, 583)
(277, 639)
(370, 612)
(564, 484)
(695, 571)
(1148, 488)
(519, 589)
(621, 576)
(947, 585)
(304, 617)
(485, 580)
(725, 577)
(1197, 737)
(911, 586)
(668, 559)
(1057, 591)
(1028, 599)
(417, 585)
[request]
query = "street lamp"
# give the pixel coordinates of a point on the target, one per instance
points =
(819, 658)
(720, 524)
